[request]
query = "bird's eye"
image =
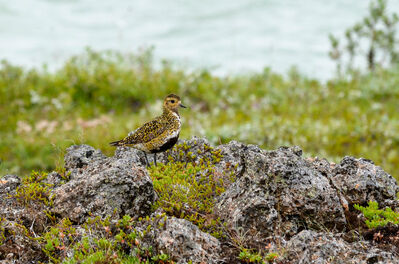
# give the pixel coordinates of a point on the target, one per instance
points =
(172, 101)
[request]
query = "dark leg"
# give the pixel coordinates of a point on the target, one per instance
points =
(146, 160)
(155, 159)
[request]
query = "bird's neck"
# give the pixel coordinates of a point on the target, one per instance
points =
(170, 113)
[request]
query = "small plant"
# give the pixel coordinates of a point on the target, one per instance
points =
(2, 235)
(33, 191)
(373, 39)
(58, 239)
(377, 217)
(95, 250)
(162, 258)
(248, 256)
(65, 175)
(270, 257)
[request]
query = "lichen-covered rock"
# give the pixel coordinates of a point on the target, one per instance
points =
(131, 156)
(79, 156)
(183, 241)
(325, 248)
(234, 155)
(360, 181)
(9, 183)
(103, 186)
(191, 150)
(278, 192)
(54, 179)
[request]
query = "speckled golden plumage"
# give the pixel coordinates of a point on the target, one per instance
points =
(158, 135)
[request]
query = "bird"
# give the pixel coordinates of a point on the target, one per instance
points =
(159, 134)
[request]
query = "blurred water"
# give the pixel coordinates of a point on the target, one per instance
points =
(223, 35)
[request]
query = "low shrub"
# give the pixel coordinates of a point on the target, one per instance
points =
(378, 217)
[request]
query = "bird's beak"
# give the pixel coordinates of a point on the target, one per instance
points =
(181, 105)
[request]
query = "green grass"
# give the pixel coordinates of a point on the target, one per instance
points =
(96, 98)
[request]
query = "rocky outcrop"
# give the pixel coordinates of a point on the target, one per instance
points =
(320, 247)
(299, 207)
(102, 186)
(279, 192)
(360, 181)
(79, 156)
(183, 241)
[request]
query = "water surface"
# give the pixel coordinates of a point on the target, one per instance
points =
(223, 35)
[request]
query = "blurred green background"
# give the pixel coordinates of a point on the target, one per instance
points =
(98, 97)
(95, 98)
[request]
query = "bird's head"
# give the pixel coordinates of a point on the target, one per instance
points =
(172, 102)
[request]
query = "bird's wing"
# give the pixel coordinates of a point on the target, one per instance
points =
(145, 133)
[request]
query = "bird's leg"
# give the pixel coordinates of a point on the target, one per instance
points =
(146, 160)
(155, 159)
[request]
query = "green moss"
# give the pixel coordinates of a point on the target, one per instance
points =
(187, 189)
(34, 191)
(378, 217)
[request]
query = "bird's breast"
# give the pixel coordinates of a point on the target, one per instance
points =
(175, 123)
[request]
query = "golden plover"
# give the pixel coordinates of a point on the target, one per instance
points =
(159, 134)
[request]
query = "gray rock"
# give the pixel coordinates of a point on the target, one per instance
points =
(9, 183)
(54, 179)
(234, 155)
(183, 241)
(278, 192)
(102, 186)
(325, 248)
(79, 156)
(130, 155)
(360, 181)
(191, 150)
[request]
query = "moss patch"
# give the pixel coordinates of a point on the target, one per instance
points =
(187, 186)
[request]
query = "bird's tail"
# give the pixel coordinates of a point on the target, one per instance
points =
(117, 143)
